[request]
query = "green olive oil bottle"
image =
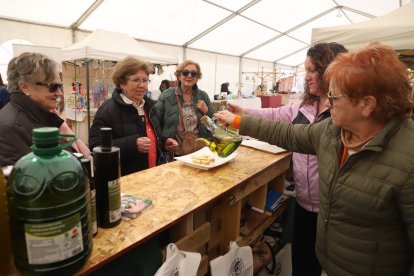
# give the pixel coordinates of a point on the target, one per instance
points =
(5, 245)
(49, 208)
(107, 172)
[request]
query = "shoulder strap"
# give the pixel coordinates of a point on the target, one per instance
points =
(181, 119)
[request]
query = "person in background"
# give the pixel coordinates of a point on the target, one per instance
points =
(4, 94)
(137, 132)
(165, 84)
(311, 109)
(225, 88)
(34, 83)
(366, 217)
(195, 102)
(132, 117)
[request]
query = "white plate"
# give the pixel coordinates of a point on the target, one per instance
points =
(218, 161)
(260, 145)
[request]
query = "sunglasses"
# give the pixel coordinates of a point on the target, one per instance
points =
(53, 87)
(332, 98)
(186, 72)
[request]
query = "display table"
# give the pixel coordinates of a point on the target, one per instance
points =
(182, 196)
(247, 102)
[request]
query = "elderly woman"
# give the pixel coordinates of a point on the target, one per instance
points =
(193, 102)
(305, 166)
(366, 217)
(34, 83)
(132, 117)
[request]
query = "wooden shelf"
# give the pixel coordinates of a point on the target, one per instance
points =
(256, 224)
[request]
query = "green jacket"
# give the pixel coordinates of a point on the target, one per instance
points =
(168, 114)
(366, 219)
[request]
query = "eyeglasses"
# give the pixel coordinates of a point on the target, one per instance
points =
(186, 72)
(53, 86)
(139, 81)
(332, 98)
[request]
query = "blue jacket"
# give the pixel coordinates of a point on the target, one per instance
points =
(4, 96)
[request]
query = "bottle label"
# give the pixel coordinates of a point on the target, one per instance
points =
(55, 241)
(93, 212)
(114, 199)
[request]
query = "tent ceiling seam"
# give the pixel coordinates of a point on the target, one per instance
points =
(218, 24)
(288, 31)
(86, 14)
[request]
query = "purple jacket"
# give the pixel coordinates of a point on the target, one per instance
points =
(305, 166)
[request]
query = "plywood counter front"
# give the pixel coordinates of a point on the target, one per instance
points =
(178, 191)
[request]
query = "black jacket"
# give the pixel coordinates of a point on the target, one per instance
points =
(126, 126)
(17, 121)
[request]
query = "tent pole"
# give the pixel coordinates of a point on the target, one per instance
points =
(87, 96)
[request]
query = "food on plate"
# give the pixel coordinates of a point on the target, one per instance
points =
(202, 159)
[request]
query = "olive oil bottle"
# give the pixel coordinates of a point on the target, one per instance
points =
(86, 164)
(5, 245)
(107, 172)
(225, 141)
(48, 203)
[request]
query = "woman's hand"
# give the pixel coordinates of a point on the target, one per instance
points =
(201, 105)
(236, 109)
(225, 117)
(171, 145)
(143, 144)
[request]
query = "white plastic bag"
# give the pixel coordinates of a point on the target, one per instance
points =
(179, 263)
(237, 262)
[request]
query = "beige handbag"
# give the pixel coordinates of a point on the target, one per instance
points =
(186, 140)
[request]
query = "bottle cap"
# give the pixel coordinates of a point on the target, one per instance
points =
(45, 137)
(46, 141)
(106, 137)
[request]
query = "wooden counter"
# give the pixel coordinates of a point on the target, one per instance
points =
(184, 197)
(178, 191)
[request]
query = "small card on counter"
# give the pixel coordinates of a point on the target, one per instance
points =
(132, 206)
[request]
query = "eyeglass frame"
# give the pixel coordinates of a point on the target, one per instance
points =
(331, 98)
(185, 73)
(53, 86)
(139, 81)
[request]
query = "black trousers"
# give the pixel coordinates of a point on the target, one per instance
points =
(304, 261)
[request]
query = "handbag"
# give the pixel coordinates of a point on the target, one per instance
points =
(186, 139)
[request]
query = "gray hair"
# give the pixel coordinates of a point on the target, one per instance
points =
(27, 67)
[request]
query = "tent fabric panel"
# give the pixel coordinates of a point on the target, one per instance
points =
(112, 46)
(395, 29)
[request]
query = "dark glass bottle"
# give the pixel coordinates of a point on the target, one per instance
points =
(48, 202)
(86, 164)
(107, 172)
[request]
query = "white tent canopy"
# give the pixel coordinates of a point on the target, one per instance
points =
(267, 30)
(234, 41)
(106, 45)
(395, 29)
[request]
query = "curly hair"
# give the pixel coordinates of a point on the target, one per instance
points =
(27, 67)
(127, 67)
(374, 70)
(321, 55)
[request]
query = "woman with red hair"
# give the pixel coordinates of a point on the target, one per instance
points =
(366, 164)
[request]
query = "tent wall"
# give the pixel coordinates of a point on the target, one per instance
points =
(37, 34)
